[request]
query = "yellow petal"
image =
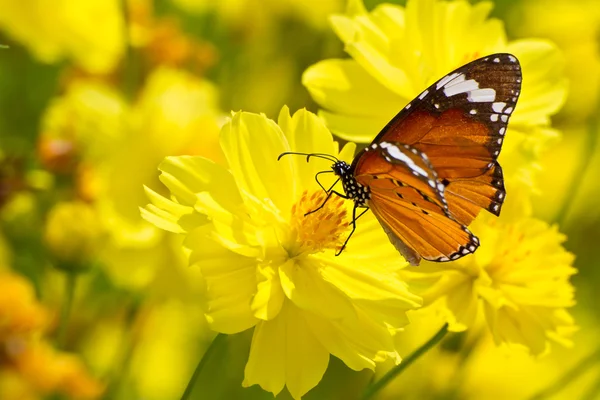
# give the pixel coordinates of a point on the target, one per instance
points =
(463, 304)
(357, 129)
(269, 297)
(285, 351)
(359, 342)
(230, 282)
(344, 87)
(544, 87)
(304, 286)
(169, 215)
(186, 176)
(252, 143)
(306, 133)
(368, 284)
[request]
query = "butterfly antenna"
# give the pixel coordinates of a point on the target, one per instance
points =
(309, 155)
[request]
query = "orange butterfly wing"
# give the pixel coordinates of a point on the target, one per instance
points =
(460, 122)
(408, 200)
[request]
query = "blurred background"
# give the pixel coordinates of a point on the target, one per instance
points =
(96, 303)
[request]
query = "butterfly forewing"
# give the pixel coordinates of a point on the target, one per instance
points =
(460, 122)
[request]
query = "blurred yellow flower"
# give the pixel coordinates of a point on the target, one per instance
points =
(397, 52)
(313, 12)
(573, 26)
(89, 33)
(20, 313)
(176, 113)
(73, 233)
(173, 334)
(26, 356)
(519, 278)
(267, 266)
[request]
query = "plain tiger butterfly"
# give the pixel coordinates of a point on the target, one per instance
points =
(434, 166)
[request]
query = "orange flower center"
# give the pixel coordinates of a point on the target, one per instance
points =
(325, 228)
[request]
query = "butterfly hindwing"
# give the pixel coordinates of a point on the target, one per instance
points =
(408, 200)
(466, 197)
(417, 235)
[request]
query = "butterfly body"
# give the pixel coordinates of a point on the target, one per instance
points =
(354, 190)
(433, 167)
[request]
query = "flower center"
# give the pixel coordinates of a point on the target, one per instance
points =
(322, 229)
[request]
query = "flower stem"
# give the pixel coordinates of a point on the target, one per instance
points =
(569, 376)
(397, 370)
(207, 354)
(65, 313)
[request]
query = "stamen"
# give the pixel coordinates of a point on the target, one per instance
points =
(324, 229)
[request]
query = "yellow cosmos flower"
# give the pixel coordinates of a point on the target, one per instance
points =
(176, 113)
(266, 265)
(519, 278)
(90, 33)
(397, 52)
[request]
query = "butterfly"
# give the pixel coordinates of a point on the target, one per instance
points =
(433, 167)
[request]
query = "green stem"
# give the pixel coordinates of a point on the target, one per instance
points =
(65, 313)
(569, 376)
(397, 370)
(126, 349)
(207, 354)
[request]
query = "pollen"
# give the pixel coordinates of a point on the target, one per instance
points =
(325, 228)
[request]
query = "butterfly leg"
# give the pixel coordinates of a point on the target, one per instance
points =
(317, 179)
(329, 193)
(353, 223)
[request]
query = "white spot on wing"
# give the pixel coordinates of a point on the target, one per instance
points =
(496, 60)
(494, 117)
(473, 112)
(498, 107)
(502, 130)
(407, 106)
(512, 59)
(504, 118)
(456, 80)
(482, 96)
(396, 154)
(508, 110)
(422, 95)
(462, 87)
(445, 80)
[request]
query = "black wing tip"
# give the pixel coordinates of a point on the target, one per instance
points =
(500, 57)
